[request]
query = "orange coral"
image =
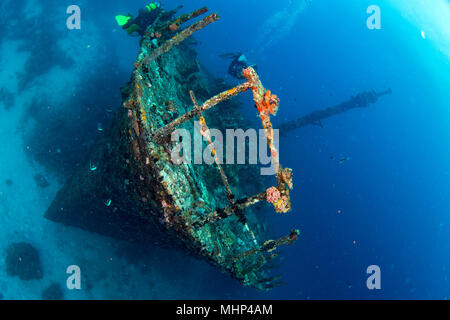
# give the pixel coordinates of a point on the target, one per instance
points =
(269, 103)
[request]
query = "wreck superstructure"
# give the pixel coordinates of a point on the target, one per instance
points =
(129, 187)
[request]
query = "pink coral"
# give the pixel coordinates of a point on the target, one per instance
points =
(282, 205)
(272, 195)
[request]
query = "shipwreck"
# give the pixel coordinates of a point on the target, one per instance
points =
(127, 187)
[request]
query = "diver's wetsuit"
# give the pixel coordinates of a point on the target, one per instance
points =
(143, 20)
(238, 64)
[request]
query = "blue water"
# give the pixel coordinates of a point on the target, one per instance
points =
(388, 205)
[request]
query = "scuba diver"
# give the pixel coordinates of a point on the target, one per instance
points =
(238, 64)
(146, 17)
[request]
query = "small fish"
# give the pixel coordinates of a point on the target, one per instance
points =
(108, 202)
(341, 161)
(92, 167)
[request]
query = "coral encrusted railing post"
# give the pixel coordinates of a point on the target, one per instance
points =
(181, 36)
